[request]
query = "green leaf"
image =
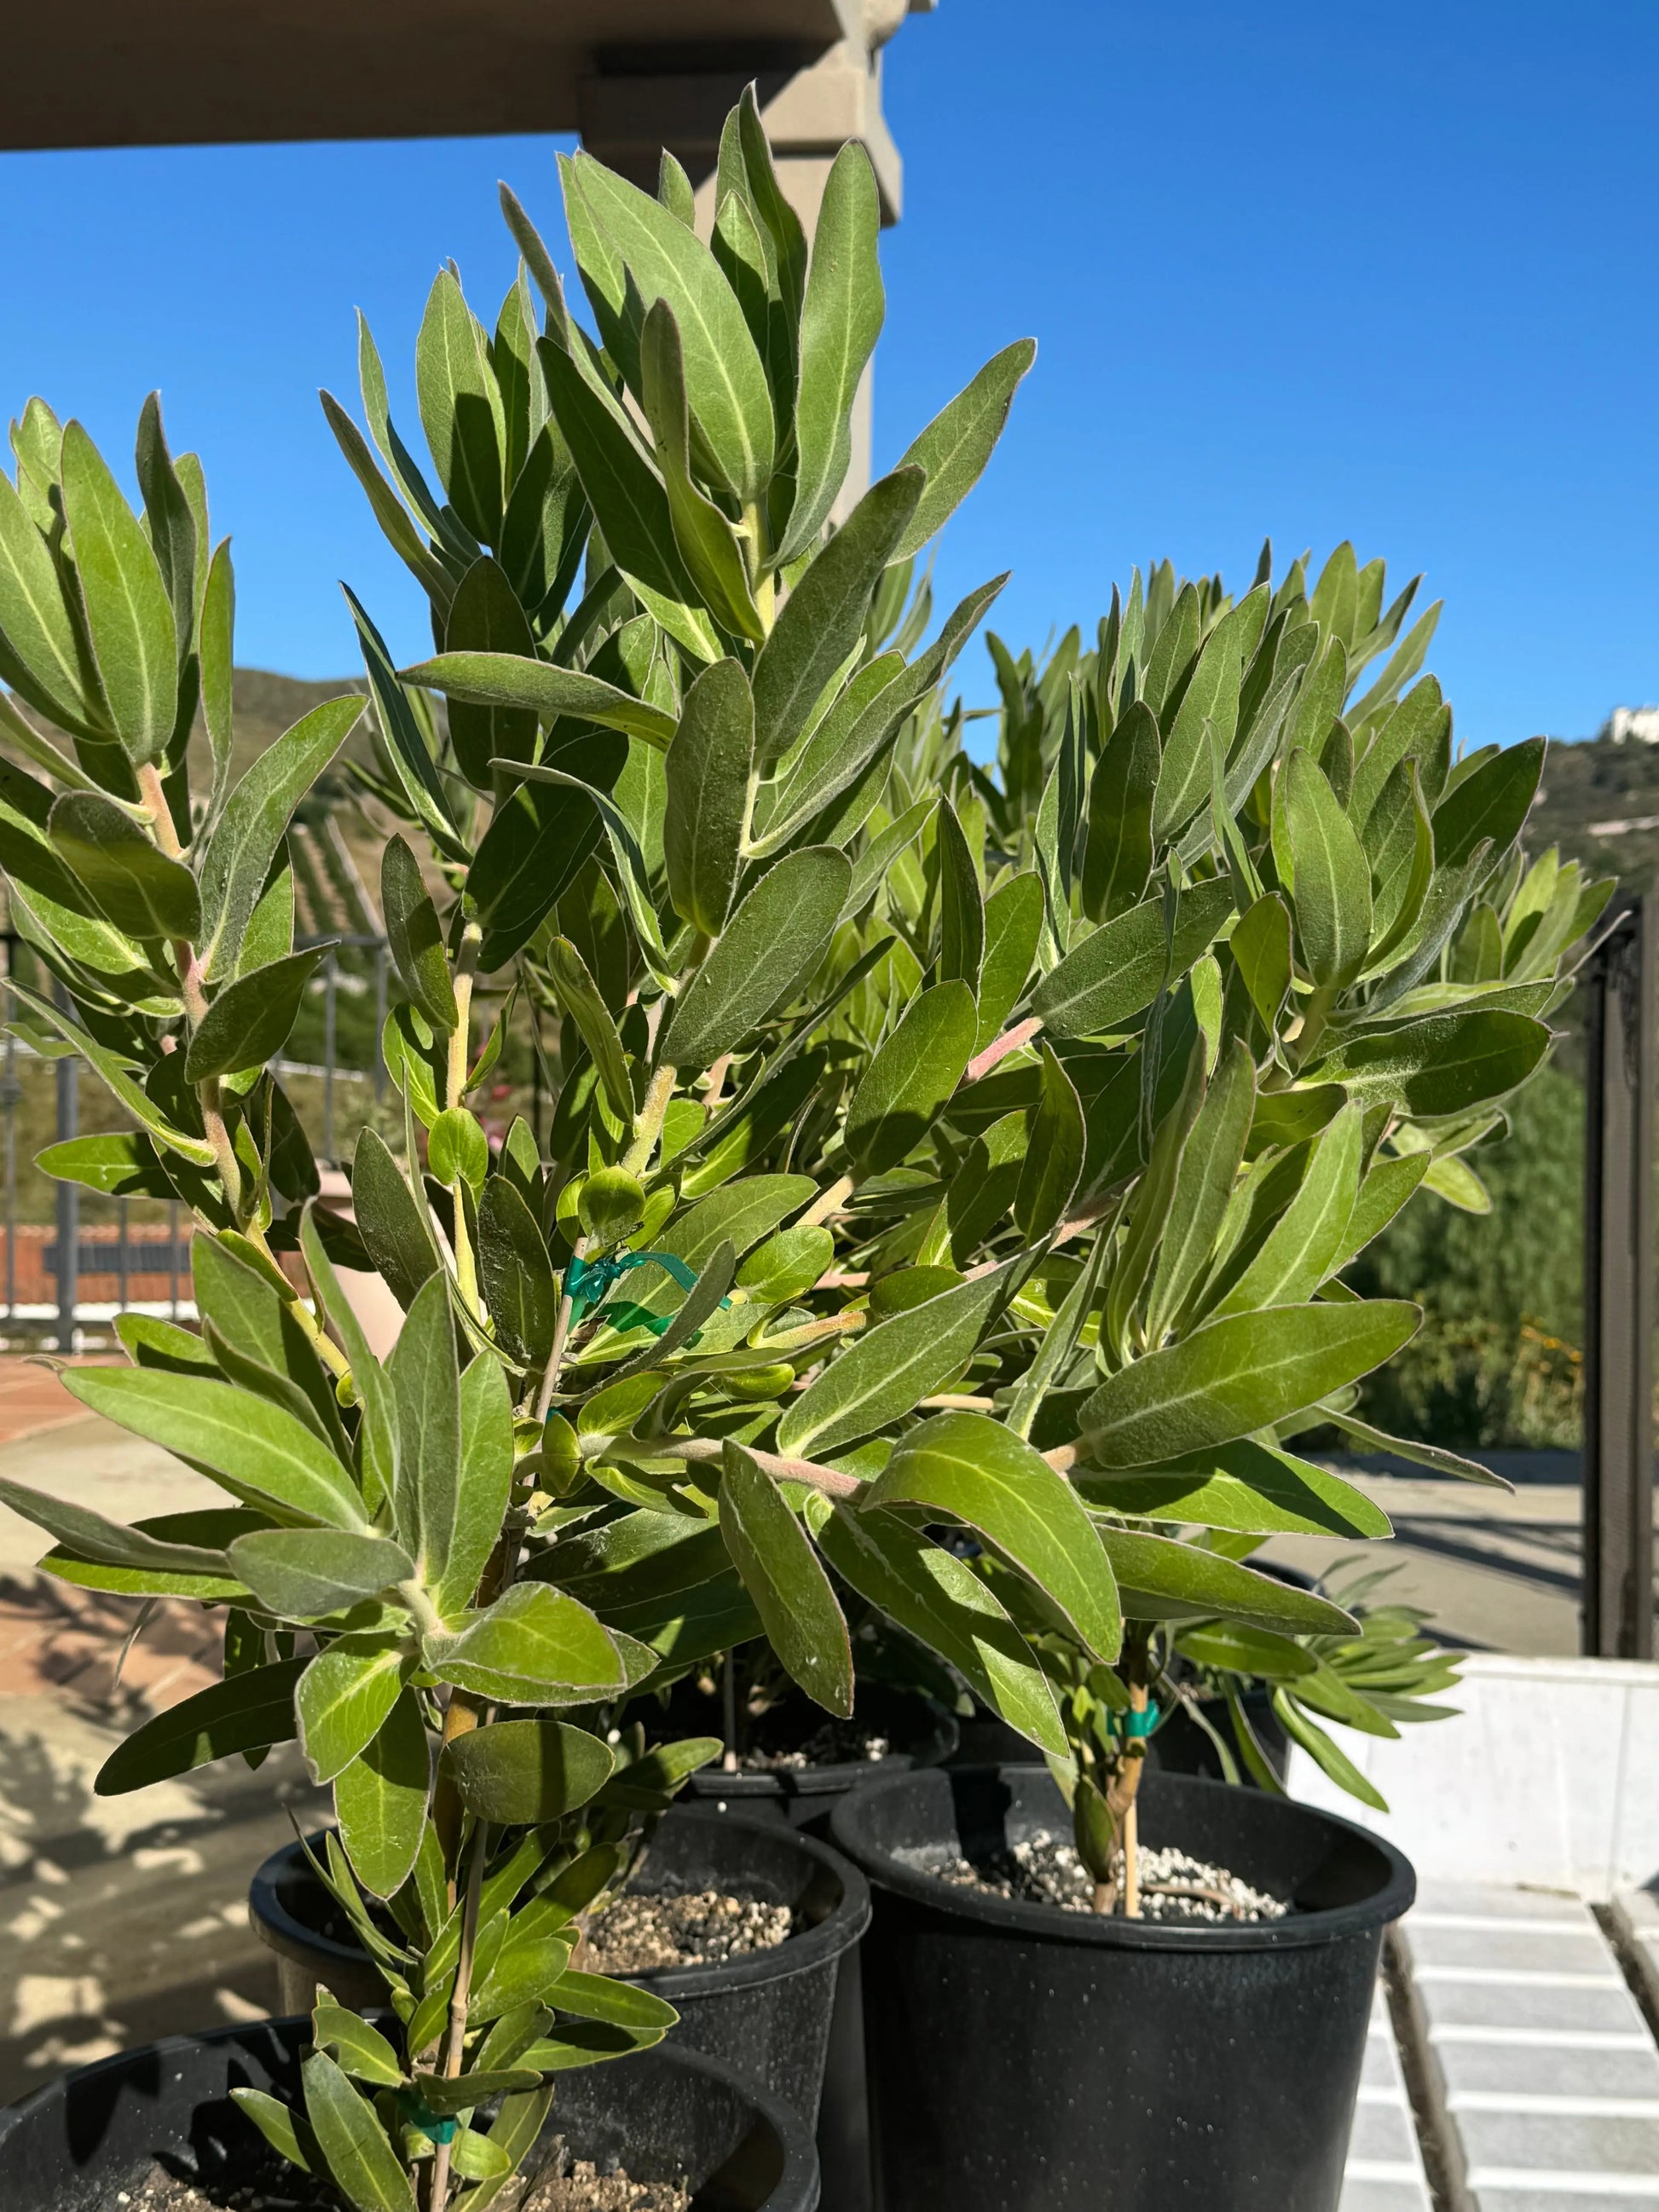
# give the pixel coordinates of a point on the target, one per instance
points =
(502, 680)
(779, 934)
(217, 629)
(277, 2124)
(1116, 973)
(707, 543)
(376, 1433)
(596, 1997)
(113, 1068)
(255, 820)
(168, 520)
(782, 1573)
(416, 937)
(962, 909)
(251, 1019)
(939, 1600)
(1424, 1455)
(344, 1698)
(305, 1573)
(582, 999)
(134, 638)
(517, 1274)
(1440, 1065)
(405, 739)
(380, 1799)
(972, 1469)
(485, 619)
(524, 1773)
(1184, 776)
(960, 439)
(356, 2146)
(822, 617)
(132, 880)
(1305, 1244)
(1248, 1487)
(40, 652)
(360, 2050)
(841, 320)
(1013, 922)
(393, 1222)
(486, 1479)
(1325, 1753)
(456, 1149)
(730, 405)
(258, 1451)
(535, 1646)
(1331, 891)
(1493, 802)
(427, 1398)
(1210, 1162)
(1118, 854)
(245, 1712)
(708, 772)
(1236, 1376)
(1163, 1580)
(113, 1542)
(460, 408)
(885, 1374)
(842, 748)
(1053, 1165)
(538, 844)
(907, 1084)
(1261, 946)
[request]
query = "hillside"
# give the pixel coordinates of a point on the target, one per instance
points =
(1589, 791)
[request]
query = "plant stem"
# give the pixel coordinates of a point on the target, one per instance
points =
(826, 1203)
(460, 1036)
(1135, 1762)
(561, 1337)
(729, 1701)
(647, 1122)
(701, 1449)
(460, 2003)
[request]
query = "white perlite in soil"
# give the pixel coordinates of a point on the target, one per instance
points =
(640, 1934)
(1045, 1870)
(837, 1743)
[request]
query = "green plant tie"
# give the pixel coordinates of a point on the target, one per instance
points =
(587, 1283)
(437, 2127)
(1143, 1722)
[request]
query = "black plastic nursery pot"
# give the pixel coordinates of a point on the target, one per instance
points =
(768, 2013)
(667, 2113)
(1023, 2056)
(921, 1731)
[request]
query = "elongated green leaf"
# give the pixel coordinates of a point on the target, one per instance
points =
(939, 1600)
(624, 491)
(1325, 1753)
(708, 771)
(304, 1573)
(132, 880)
(1163, 1580)
(502, 680)
(255, 820)
(93, 1537)
(426, 1394)
(1210, 1162)
(276, 2122)
(1211, 698)
(1442, 1064)
(1492, 802)
(114, 1069)
(1103, 983)
(343, 1700)
(485, 617)
(407, 745)
(460, 408)
(251, 1019)
(1261, 946)
(1236, 1376)
(707, 543)
(1306, 1243)
(121, 1164)
(486, 1480)
(356, 2146)
(843, 747)
(885, 1374)
(1053, 1165)
(1247, 1487)
(536, 1646)
(909, 1079)
(391, 1222)
(779, 934)
(40, 653)
(259, 1451)
(134, 638)
(582, 999)
(381, 1798)
(416, 938)
(516, 1273)
(823, 615)
(782, 1573)
(962, 909)
(521, 1774)
(1117, 856)
(974, 1470)
(538, 844)
(1424, 1455)
(959, 441)
(1332, 891)
(361, 2050)
(1013, 923)
(245, 1712)
(842, 317)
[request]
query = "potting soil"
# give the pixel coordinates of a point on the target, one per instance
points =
(273, 2185)
(642, 1933)
(837, 1743)
(1045, 1869)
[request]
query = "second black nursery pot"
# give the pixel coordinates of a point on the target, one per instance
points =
(1023, 2056)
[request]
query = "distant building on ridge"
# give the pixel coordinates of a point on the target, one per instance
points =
(1636, 725)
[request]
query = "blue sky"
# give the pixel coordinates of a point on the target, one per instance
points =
(1310, 276)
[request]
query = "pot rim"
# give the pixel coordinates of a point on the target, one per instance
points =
(796, 2183)
(839, 1929)
(1053, 1923)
